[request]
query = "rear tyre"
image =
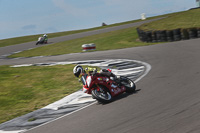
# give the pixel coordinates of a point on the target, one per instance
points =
(128, 83)
(101, 94)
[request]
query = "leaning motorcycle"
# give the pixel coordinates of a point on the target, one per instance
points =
(41, 40)
(104, 88)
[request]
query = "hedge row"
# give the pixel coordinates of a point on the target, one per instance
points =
(168, 35)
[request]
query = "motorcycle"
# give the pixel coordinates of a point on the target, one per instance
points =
(104, 88)
(41, 40)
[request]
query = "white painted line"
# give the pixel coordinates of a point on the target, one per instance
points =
(148, 68)
(17, 131)
(17, 52)
(131, 69)
(58, 117)
(127, 73)
(22, 65)
(74, 98)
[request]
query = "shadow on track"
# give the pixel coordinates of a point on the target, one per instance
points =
(121, 96)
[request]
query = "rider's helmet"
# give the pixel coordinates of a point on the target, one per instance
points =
(77, 70)
(45, 35)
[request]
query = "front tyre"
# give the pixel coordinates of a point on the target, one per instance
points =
(101, 95)
(128, 83)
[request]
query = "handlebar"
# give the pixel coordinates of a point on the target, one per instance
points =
(91, 71)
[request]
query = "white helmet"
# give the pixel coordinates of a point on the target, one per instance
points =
(77, 70)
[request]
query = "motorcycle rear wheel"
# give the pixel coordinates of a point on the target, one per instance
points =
(101, 95)
(128, 83)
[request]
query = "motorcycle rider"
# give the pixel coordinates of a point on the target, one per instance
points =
(79, 72)
(45, 38)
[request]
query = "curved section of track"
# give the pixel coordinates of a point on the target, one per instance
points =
(168, 101)
(78, 100)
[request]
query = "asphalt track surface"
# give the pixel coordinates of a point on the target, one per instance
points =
(168, 100)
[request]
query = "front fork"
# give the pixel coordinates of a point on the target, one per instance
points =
(100, 89)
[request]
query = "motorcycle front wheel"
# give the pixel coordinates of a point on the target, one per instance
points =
(101, 94)
(128, 83)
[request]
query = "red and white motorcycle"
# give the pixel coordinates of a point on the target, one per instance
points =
(104, 88)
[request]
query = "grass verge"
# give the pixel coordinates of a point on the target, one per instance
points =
(25, 89)
(186, 19)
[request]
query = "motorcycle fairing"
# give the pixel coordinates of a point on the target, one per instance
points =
(83, 79)
(102, 81)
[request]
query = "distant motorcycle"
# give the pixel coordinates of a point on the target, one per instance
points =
(41, 40)
(104, 88)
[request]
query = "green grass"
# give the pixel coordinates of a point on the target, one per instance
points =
(186, 19)
(25, 89)
(112, 40)
(18, 40)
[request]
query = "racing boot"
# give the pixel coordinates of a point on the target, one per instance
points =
(116, 79)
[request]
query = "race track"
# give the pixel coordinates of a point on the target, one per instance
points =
(168, 100)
